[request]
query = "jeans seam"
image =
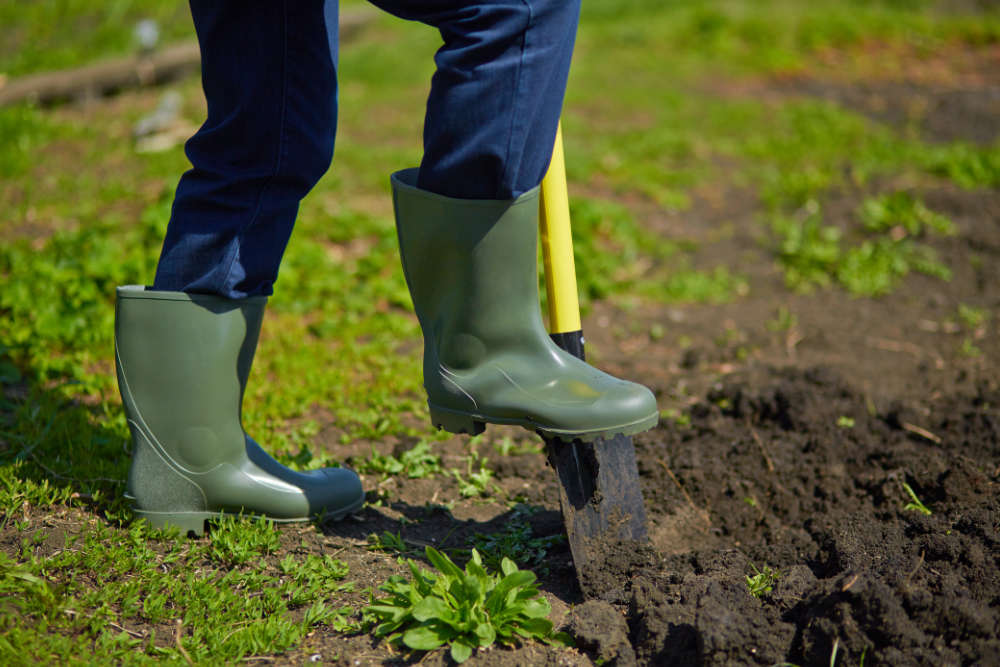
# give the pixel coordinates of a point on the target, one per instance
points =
(517, 89)
(278, 157)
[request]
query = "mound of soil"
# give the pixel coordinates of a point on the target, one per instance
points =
(792, 470)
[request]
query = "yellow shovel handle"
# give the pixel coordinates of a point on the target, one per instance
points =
(557, 245)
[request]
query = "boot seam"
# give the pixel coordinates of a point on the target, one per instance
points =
(412, 190)
(144, 292)
(146, 432)
(446, 374)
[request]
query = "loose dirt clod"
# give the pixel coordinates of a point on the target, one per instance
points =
(613, 563)
(601, 629)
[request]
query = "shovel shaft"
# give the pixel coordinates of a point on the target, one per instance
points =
(557, 248)
(599, 483)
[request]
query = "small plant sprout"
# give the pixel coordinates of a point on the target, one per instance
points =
(515, 542)
(476, 481)
(509, 447)
(762, 581)
(388, 542)
(463, 610)
(844, 421)
(418, 462)
(969, 349)
(676, 416)
(915, 502)
(784, 320)
(971, 317)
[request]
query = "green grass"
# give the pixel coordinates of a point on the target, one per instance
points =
(651, 127)
(86, 596)
(67, 32)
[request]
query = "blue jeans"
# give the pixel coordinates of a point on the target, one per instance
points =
(269, 70)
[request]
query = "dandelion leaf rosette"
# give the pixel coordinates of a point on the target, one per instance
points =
(463, 609)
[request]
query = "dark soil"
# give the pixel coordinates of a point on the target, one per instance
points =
(939, 113)
(784, 486)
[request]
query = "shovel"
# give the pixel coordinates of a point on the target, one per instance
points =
(598, 481)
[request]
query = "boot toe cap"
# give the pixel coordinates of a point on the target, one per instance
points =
(623, 408)
(628, 404)
(341, 493)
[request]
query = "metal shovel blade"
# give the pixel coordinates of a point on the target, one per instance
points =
(601, 500)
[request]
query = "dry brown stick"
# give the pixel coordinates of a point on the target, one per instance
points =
(763, 450)
(178, 631)
(102, 78)
(137, 635)
(914, 570)
(792, 340)
(87, 480)
(168, 64)
(699, 511)
(894, 346)
(905, 347)
(922, 432)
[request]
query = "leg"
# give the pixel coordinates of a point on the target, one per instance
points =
(269, 74)
(468, 224)
(183, 350)
(497, 93)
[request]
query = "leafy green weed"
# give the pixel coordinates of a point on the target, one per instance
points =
(476, 481)
(813, 254)
(418, 462)
(762, 581)
(515, 542)
(462, 609)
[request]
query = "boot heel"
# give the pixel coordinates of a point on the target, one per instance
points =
(455, 422)
(184, 522)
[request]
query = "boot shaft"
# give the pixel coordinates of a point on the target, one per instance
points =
(471, 266)
(186, 354)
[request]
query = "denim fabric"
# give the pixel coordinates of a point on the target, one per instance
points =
(269, 74)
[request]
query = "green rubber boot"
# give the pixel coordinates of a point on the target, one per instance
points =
(183, 361)
(471, 266)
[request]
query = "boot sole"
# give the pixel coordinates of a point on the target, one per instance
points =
(194, 522)
(454, 421)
